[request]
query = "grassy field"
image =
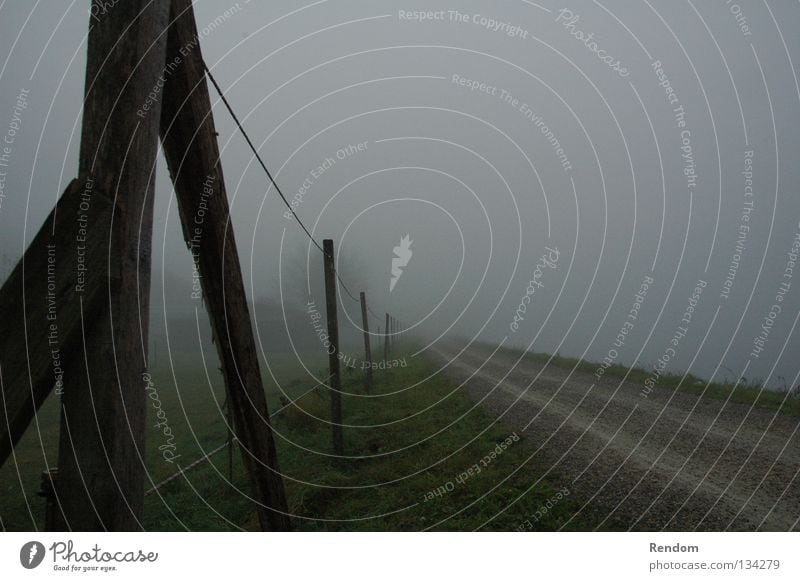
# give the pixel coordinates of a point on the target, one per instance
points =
(191, 398)
(746, 392)
(419, 456)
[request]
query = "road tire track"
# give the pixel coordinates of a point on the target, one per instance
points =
(613, 465)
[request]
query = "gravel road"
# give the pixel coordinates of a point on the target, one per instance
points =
(665, 462)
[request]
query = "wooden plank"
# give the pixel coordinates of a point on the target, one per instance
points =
(333, 351)
(101, 451)
(190, 146)
(40, 308)
(367, 346)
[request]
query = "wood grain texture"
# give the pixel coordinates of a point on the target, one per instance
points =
(40, 309)
(190, 146)
(101, 449)
(333, 351)
(367, 346)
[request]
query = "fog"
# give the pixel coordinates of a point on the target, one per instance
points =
(528, 163)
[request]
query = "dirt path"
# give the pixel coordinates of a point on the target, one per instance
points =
(652, 463)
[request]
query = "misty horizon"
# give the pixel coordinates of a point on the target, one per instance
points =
(486, 135)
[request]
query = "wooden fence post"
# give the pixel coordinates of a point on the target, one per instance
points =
(333, 351)
(101, 449)
(229, 435)
(367, 346)
(27, 300)
(189, 139)
(386, 339)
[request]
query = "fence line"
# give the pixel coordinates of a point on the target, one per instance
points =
(208, 455)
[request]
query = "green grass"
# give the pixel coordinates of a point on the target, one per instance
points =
(391, 469)
(421, 440)
(191, 401)
(441, 444)
(386, 484)
(750, 393)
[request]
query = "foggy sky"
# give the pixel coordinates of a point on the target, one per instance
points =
(468, 174)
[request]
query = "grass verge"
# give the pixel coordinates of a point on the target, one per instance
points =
(420, 456)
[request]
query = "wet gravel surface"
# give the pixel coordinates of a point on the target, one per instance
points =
(670, 461)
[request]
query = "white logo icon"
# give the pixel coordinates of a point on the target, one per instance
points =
(402, 254)
(31, 554)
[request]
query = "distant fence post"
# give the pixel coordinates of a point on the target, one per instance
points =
(333, 352)
(386, 339)
(367, 346)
